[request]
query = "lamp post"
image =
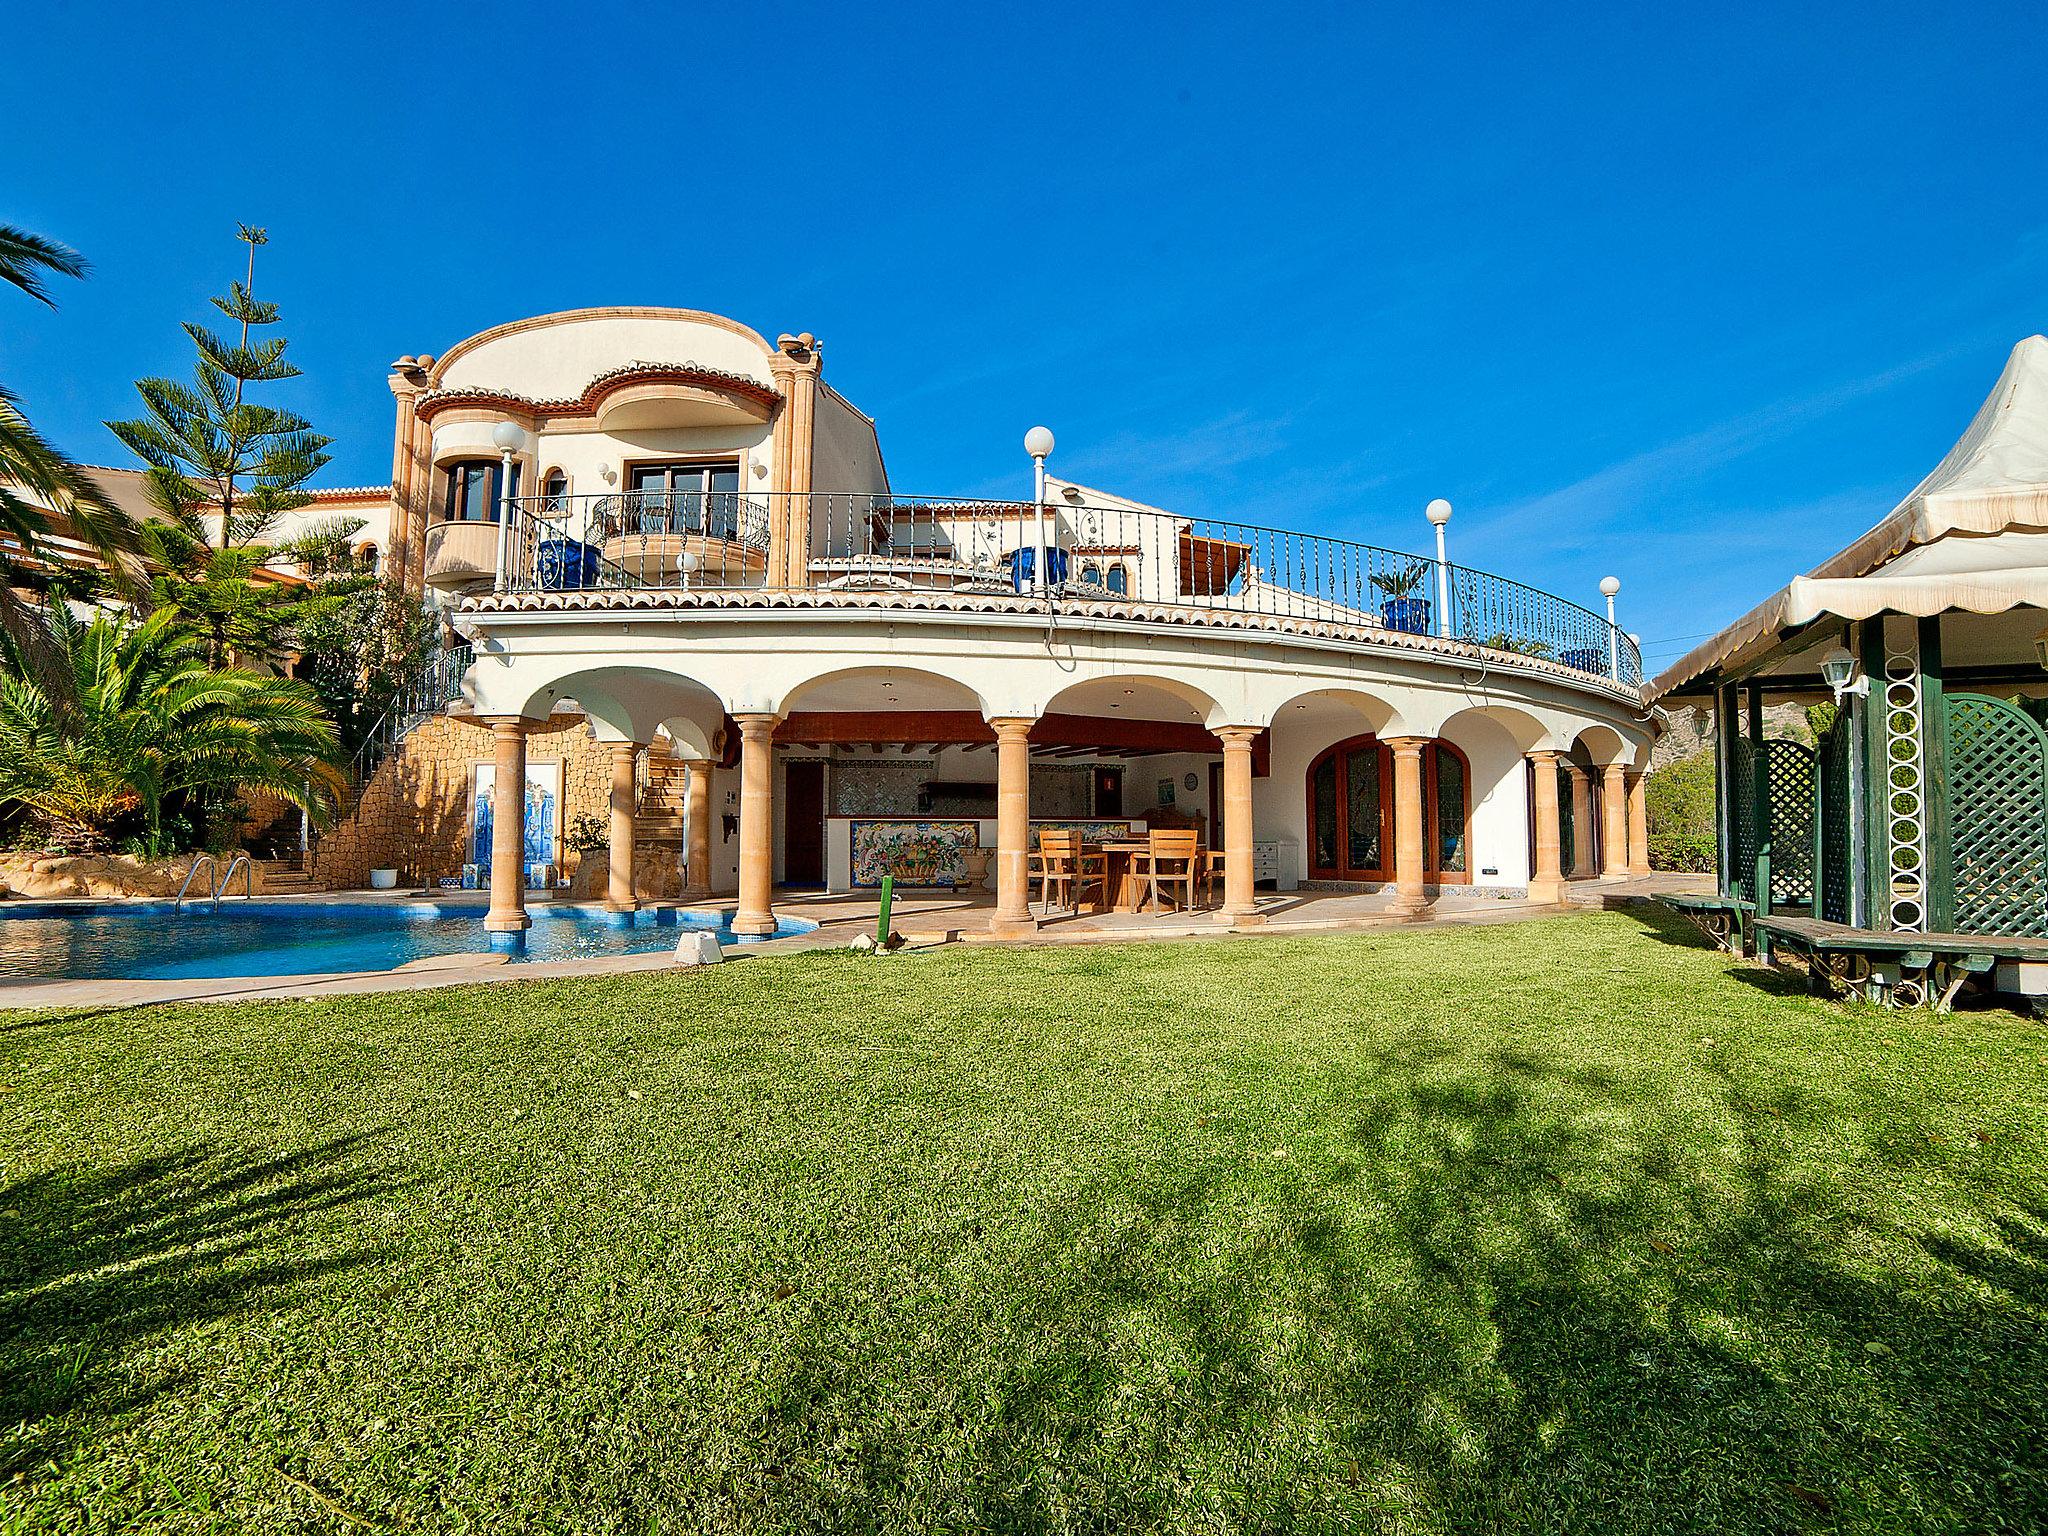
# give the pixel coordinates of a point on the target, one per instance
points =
(510, 438)
(1038, 443)
(1609, 585)
(1439, 513)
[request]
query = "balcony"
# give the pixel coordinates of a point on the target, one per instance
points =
(461, 555)
(862, 549)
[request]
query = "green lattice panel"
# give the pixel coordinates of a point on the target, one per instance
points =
(1743, 796)
(1837, 812)
(1998, 817)
(1792, 790)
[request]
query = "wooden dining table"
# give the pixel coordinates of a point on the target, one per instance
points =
(1127, 887)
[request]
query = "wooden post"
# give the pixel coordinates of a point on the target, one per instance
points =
(625, 797)
(506, 921)
(1013, 828)
(1411, 899)
(1760, 811)
(1546, 878)
(756, 913)
(1240, 907)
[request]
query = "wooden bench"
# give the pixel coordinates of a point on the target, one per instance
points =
(1911, 969)
(1724, 919)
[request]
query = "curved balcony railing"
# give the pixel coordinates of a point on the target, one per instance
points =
(1071, 557)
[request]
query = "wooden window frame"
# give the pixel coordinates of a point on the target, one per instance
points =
(1431, 846)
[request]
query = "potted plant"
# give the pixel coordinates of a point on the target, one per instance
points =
(1403, 610)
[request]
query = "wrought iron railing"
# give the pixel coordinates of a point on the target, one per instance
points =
(432, 689)
(1072, 557)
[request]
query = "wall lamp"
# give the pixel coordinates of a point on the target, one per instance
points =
(1838, 671)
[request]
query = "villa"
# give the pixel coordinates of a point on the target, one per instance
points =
(692, 600)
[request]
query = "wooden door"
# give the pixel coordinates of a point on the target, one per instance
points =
(803, 825)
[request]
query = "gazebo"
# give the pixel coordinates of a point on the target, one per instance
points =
(1905, 853)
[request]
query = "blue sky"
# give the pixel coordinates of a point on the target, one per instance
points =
(1687, 294)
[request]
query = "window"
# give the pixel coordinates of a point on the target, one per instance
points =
(686, 498)
(1119, 580)
(554, 490)
(473, 492)
(1091, 575)
(367, 558)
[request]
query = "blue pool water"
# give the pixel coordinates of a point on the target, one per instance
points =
(148, 941)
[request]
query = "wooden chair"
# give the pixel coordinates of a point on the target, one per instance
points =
(1065, 866)
(1171, 858)
(1214, 861)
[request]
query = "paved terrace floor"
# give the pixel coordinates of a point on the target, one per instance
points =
(924, 920)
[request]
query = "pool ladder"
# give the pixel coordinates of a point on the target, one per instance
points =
(240, 861)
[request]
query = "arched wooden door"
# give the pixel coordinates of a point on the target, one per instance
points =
(1351, 813)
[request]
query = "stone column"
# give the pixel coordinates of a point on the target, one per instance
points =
(1410, 900)
(1013, 828)
(1546, 880)
(796, 367)
(507, 921)
(1638, 825)
(1240, 908)
(1613, 822)
(697, 809)
(757, 825)
(1582, 822)
(625, 801)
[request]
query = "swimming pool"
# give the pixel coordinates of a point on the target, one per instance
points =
(149, 941)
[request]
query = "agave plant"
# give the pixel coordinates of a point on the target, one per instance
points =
(151, 726)
(1404, 581)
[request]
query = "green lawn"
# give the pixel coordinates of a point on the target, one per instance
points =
(1562, 1226)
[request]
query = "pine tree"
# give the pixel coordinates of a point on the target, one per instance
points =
(223, 469)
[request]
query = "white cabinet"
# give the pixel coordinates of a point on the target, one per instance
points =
(1276, 859)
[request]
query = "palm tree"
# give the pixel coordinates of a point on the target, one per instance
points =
(64, 497)
(150, 726)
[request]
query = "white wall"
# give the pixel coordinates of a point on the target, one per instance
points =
(845, 454)
(556, 362)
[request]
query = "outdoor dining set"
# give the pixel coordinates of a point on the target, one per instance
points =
(1128, 874)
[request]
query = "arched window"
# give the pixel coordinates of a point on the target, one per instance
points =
(367, 558)
(473, 492)
(1351, 812)
(1091, 575)
(1119, 580)
(554, 490)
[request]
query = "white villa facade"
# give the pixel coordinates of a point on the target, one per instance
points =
(661, 520)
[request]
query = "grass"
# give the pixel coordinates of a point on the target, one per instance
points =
(1563, 1226)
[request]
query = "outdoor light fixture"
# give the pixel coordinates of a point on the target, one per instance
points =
(1439, 513)
(1038, 443)
(1838, 671)
(1609, 585)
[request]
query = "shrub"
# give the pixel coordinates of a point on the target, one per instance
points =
(1680, 801)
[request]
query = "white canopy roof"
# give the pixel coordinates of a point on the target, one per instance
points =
(1972, 536)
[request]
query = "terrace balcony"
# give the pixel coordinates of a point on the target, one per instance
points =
(866, 550)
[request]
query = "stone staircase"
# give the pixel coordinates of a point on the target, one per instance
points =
(284, 877)
(658, 819)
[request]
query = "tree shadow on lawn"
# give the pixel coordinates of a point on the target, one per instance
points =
(95, 1262)
(1522, 1296)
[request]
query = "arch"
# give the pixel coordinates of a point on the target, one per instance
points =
(468, 344)
(1523, 728)
(628, 703)
(869, 687)
(1338, 705)
(1352, 780)
(1126, 694)
(1603, 745)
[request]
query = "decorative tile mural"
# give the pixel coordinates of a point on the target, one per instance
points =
(877, 786)
(1093, 831)
(915, 852)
